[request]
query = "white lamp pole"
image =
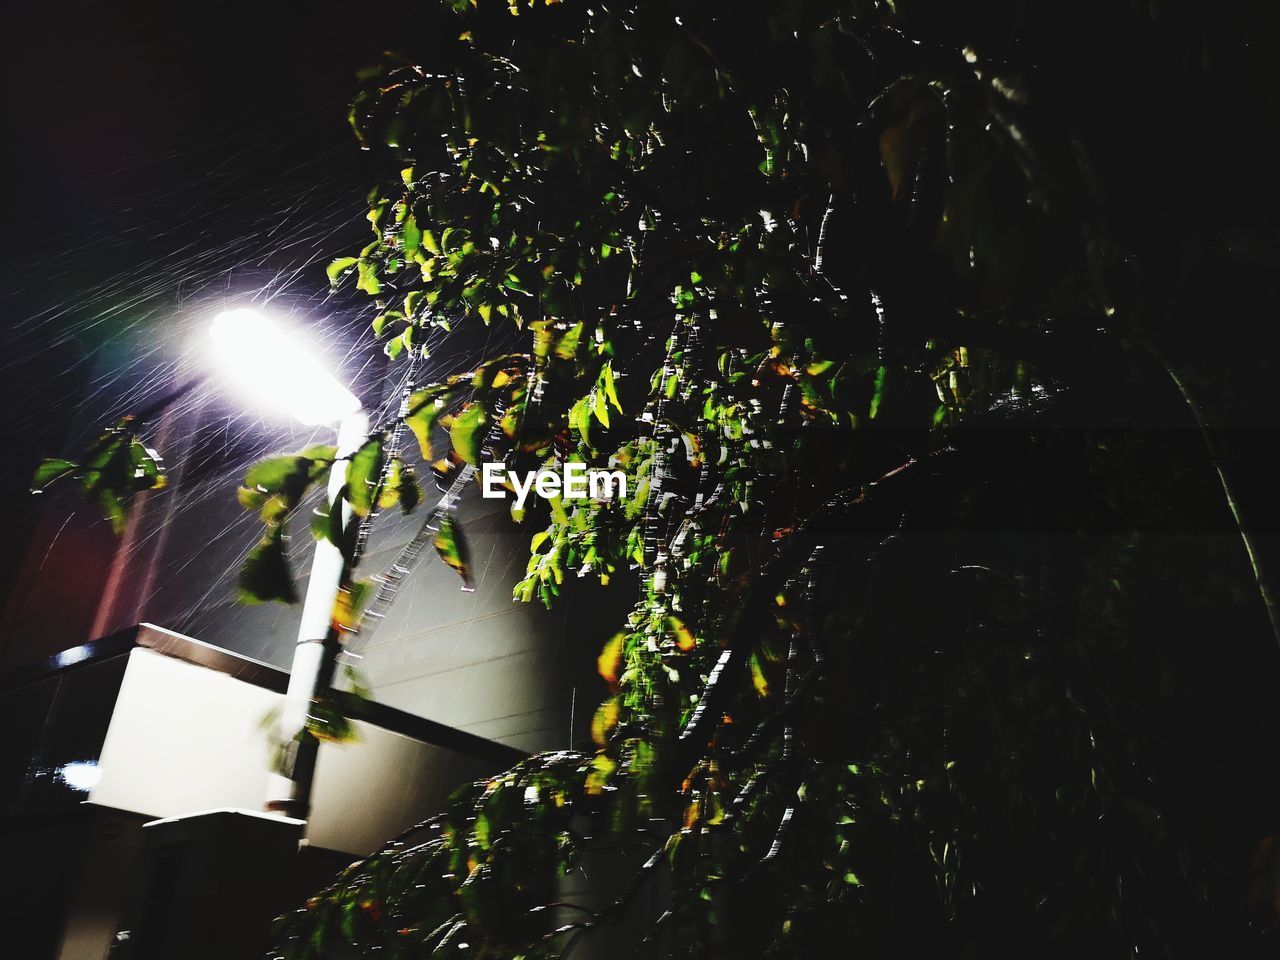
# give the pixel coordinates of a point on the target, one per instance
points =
(261, 357)
(315, 654)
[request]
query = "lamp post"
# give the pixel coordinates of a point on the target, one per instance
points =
(260, 357)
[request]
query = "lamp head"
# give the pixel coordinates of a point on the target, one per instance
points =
(263, 360)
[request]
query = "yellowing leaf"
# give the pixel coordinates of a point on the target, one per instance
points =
(567, 343)
(609, 663)
(684, 637)
(605, 719)
(758, 679)
(452, 547)
(691, 815)
(598, 774)
(401, 487)
(424, 409)
(350, 602)
(467, 433)
(610, 391)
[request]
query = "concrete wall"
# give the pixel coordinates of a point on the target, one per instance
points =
(474, 660)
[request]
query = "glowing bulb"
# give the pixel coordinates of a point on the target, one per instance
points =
(263, 360)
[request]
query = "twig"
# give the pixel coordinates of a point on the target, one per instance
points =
(1228, 492)
(616, 906)
(808, 536)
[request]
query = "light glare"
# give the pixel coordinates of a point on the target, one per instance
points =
(263, 360)
(81, 775)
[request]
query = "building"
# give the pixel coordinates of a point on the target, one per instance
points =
(136, 686)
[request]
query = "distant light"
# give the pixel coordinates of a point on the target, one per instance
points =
(260, 357)
(81, 775)
(68, 658)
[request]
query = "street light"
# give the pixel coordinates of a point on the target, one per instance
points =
(260, 357)
(264, 361)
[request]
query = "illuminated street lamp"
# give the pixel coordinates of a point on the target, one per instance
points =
(264, 361)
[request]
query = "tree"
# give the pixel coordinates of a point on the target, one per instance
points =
(872, 303)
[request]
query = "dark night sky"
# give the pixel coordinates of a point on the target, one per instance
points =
(158, 149)
(114, 105)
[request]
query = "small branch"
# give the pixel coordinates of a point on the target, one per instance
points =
(775, 848)
(648, 939)
(796, 698)
(578, 927)
(820, 249)
(1228, 492)
(560, 905)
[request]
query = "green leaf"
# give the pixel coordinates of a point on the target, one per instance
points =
(556, 506)
(877, 393)
(274, 508)
(113, 509)
(543, 337)
(49, 471)
(410, 492)
(265, 574)
(250, 498)
(580, 418)
(606, 378)
(364, 474)
(819, 367)
(338, 268)
(425, 407)
(468, 433)
(452, 547)
(368, 280)
(322, 454)
(341, 526)
(401, 487)
(147, 473)
(327, 721)
(411, 236)
(567, 344)
(278, 474)
(321, 524)
(276, 485)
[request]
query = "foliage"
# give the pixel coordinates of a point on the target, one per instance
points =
(114, 466)
(795, 274)
(799, 274)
